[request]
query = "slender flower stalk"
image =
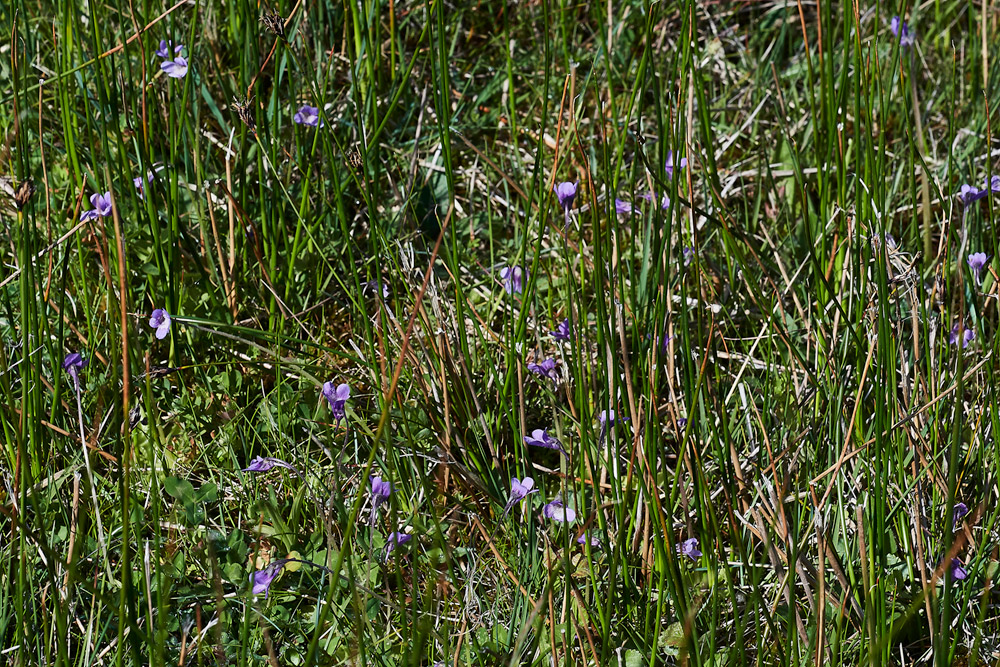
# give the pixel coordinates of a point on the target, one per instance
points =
(73, 362)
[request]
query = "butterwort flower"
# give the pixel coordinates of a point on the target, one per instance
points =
(307, 115)
(394, 540)
(969, 194)
(176, 68)
(266, 463)
(902, 31)
(960, 333)
(977, 261)
(381, 490)
(594, 540)
(336, 396)
(958, 513)
(101, 207)
(160, 320)
(558, 512)
(992, 184)
(622, 207)
(519, 490)
(958, 571)
(166, 47)
(566, 192)
(689, 548)
(546, 369)
(140, 185)
(372, 287)
(541, 438)
(688, 254)
(72, 364)
(513, 278)
(607, 418)
(261, 580)
(561, 331)
(669, 165)
(664, 201)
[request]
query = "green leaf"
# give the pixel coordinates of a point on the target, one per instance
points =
(180, 489)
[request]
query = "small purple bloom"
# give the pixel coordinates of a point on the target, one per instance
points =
(72, 364)
(977, 261)
(140, 185)
(261, 580)
(264, 464)
(688, 253)
(541, 438)
(160, 320)
(381, 490)
(176, 68)
(561, 331)
(622, 207)
(664, 201)
(594, 540)
(993, 184)
(969, 194)
(101, 207)
(901, 30)
(519, 490)
(958, 513)
(546, 369)
(336, 396)
(958, 332)
(372, 288)
(689, 548)
(307, 115)
(394, 540)
(513, 278)
(607, 418)
(566, 192)
(165, 48)
(558, 512)
(958, 572)
(669, 166)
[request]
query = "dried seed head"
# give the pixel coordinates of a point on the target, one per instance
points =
(272, 21)
(244, 109)
(23, 194)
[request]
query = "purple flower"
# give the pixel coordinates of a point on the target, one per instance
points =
(381, 490)
(669, 166)
(969, 194)
(176, 68)
(958, 332)
(394, 540)
(101, 207)
(160, 320)
(261, 580)
(688, 254)
(337, 397)
(992, 184)
(566, 192)
(519, 490)
(594, 540)
(607, 418)
(264, 464)
(513, 278)
(958, 512)
(546, 369)
(72, 364)
(372, 287)
(977, 261)
(140, 185)
(958, 572)
(561, 331)
(622, 207)
(541, 438)
(165, 48)
(307, 115)
(664, 201)
(689, 548)
(901, 30)
(558, 512)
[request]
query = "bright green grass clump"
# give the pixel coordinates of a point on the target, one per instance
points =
(536, 333)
